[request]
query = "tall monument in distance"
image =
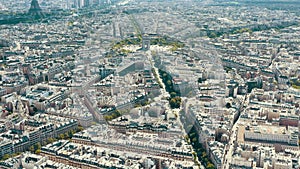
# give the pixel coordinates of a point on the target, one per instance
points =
(35, 9)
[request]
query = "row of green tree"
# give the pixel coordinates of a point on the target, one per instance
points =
(295, 83)
(117, 113)
(166, 41)
(262, 27)
(142, 103)
(193, 139)
(156, 77)
(7, 156)
(37, 147)
(66, 136)
(201, 152)
(161, 41)
(174, 100)
(112, 115)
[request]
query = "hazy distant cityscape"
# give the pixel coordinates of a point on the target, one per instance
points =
(149, 84)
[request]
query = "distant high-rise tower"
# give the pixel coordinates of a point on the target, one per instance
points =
(35, 9)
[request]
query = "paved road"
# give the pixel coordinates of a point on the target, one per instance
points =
(229, 149)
